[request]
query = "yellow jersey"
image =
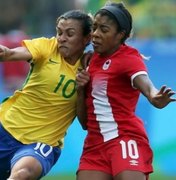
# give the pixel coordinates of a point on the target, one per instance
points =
(45, 107)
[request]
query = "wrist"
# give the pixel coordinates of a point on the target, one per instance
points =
(3, 54)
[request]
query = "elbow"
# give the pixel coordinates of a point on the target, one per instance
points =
(84, 127)
(83, 123)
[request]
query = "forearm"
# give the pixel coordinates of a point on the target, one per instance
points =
(81, 109)
(146, 87)
(151, 96)
(19, 53)
(158, 98)
(82, 78)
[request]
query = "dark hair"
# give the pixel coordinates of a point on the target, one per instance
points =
(118, 13)
(81, 16)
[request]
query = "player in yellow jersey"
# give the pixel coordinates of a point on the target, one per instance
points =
(35, 119)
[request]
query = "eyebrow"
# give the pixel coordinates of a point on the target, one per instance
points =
(102, 25)
(66, 29)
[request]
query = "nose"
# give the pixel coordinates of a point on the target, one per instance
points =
(61, 38)
(95, 33)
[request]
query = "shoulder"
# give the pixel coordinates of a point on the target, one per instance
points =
(40, 40)
(130, 51)
(130, 59)
(42, 47)
(130, 55)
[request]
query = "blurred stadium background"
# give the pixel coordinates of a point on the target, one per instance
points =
(154, 34)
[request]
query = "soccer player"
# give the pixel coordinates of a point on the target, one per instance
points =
(34, 121)
(116, 146)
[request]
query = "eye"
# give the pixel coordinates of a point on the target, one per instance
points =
(59, 32)
(94, 28)
(70, 33)
(104, 29)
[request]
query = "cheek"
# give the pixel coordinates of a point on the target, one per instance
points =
(76, 44)
(110, 41)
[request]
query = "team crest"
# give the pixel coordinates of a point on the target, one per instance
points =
(106, 64)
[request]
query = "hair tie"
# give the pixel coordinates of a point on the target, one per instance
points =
(120, 17)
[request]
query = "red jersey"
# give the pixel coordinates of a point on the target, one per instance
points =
(111, 98)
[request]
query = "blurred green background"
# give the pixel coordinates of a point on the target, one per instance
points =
(154, 34)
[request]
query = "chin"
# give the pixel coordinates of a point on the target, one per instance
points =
(96, 49)
(63, 53)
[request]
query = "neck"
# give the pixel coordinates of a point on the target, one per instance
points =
(109, 53)
(72, 60)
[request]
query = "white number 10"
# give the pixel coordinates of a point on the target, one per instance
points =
(129, 149)
(41, 147)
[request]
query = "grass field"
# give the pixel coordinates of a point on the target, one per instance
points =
(154, 176)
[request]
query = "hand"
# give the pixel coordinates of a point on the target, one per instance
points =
(3, 52)
(163, 97)
(82, 78)
(86, 59)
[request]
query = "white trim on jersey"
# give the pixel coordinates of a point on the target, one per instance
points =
(135, 75)
(102, 108)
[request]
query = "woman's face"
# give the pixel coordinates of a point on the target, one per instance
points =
(71, 42)
(105, 37)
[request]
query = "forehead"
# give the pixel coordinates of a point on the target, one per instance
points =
(104, 20)
(65, 24)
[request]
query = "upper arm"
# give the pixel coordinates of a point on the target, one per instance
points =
(144, 85)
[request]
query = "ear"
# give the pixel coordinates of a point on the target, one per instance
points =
(121, 35)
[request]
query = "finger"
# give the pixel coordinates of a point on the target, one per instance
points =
(171, 93)
(172, 100)
(168, 92)
(161, 91)
(81, 78)
(80, 69)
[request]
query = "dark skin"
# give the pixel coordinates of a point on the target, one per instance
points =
(104, 32)
(68, 36)
(106, 40)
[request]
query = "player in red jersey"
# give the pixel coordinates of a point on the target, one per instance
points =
(116, 146)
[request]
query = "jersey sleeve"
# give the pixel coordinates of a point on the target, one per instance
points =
(38, 47)
(135, 66)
